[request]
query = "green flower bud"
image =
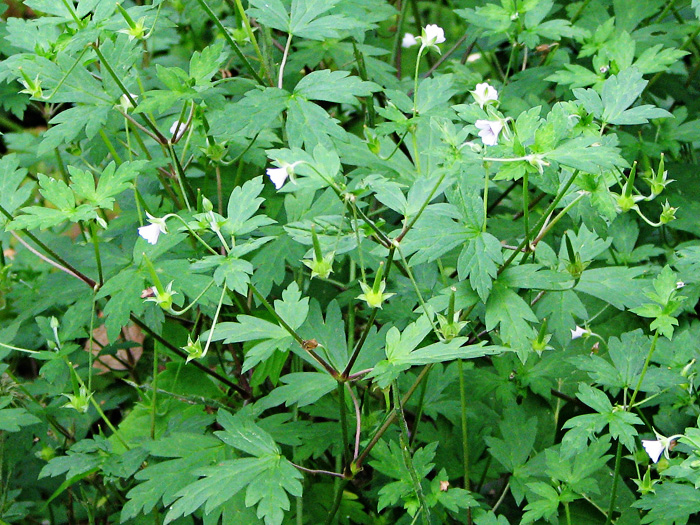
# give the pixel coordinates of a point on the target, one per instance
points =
(668, 213)
(193, 349)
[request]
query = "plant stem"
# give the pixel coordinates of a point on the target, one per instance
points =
(304, 344)
(370, 321)
(280, 78)
(230, 40)
(253, 40)
(391, 417)
(96, 243)
(343, 423)
(628, 406)
(465, 435)
(159, 136)
(542, 220)
(177, 351)
(406, 452)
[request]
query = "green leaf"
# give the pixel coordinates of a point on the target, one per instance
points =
(588, 154)
(267, 477)
(669, 504)
(11, 195)
(334, 86)
(618, 93)
(507, 309)
(241, 432)
(301, 388)
(480, 259)
(604, 283)
(401, 353)
(518, 439)
(192, 451)
(242, 205)
(13, 419)
(545, 506)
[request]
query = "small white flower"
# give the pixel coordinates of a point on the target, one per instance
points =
(408, 40)
(679, 285)
(655, 447)
(489, 131)
(278, 176)
(473, 57)
(177, 130)
(125, 102)
(579, 332)
(152, 231)
(433, 35)
(483, 93)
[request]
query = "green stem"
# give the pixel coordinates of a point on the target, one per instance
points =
(159, 136)
(613, 491)
(337, 500)
(370, 321)
(96, 243)
(526, 207)
(180, 176)
(154, 404)
(280, 78)
(618, 453)
(231, 41)
(110, 146)
(194, 301)
(51, 253)
(542, 220)
(253, 40)
(408, 226)
(396, 52)
(406, 452)
(391, 417)
(465, 436)
(343, 423)
(213, 323)
(327, 367)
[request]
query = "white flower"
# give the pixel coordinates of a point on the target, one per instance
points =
(473, 57)
(489, 130)
(579, 332)
(125, 102)
(178, 127)
(483, 93)
(433, 34)
(152, 231)
(408, 40)
(278, 176)
(679, 285)
(654, 448)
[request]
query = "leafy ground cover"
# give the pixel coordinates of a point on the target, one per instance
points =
(349, 261)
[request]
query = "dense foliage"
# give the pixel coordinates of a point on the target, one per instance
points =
(349, 261)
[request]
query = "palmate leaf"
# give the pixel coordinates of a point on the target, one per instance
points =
(13, 419)
(670, 504)
(243, 203)
(292, 308)
(268, 477)
(618, 94)
(480, 259)
(11, 195)
(189, 452)
(305, 19)
(401, 353)
(334, 86)
(507, 309)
